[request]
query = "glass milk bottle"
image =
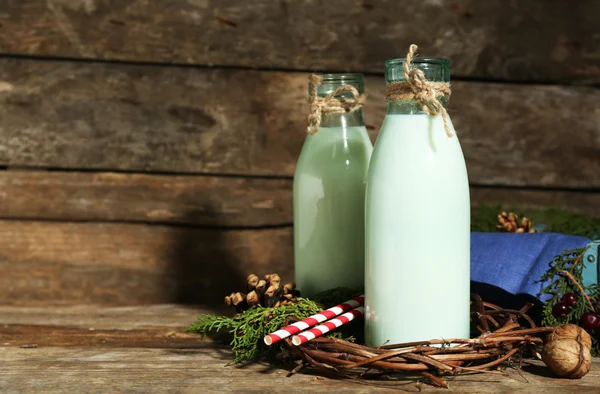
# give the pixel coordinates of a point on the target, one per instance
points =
(329, 193)
(417, 220)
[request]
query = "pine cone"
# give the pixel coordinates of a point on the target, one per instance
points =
(509, 223)
(267, 293)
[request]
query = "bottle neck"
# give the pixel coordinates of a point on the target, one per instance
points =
(410, 107)
(350, 119)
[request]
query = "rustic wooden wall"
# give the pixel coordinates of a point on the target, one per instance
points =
(147, 148)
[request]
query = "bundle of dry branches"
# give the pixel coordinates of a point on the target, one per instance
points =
(502, 338)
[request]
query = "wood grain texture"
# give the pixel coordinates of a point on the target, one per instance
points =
(146, 118)
(90, 317)
(587, 203)
(138, 370)
(134, 264)
(484, 39)
(35, 336)
(190, 200)
(225, 202)
(148, 326)
(145, 349)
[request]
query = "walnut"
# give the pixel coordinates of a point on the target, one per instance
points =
(567, 351)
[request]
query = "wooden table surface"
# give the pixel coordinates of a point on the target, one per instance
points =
(74, 349)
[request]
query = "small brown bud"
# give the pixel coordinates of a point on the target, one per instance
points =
(289, 287)
(271, 291)
(238, 298)
(274, 280)
(239, 301)
(261, 286)
(252, 298)
(502, 218)
(513, 217)
(271, 296)
(252, 281)
(229, 299)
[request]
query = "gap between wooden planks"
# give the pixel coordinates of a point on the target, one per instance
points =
(133, 118)
(202, 200)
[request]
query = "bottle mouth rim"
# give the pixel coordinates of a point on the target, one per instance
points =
(341, 77)
(438, 61)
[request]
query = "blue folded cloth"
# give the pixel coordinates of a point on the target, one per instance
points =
(505, 264)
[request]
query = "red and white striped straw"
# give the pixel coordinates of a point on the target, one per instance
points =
(324, 328)
(314, 320)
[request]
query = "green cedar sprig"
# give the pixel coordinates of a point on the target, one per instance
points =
(570, 261)
(250, 327)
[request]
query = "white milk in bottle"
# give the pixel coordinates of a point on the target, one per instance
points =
(329, 195)
(417, 268)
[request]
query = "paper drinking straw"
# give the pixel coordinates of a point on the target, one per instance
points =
(332, 324)
(314, 320)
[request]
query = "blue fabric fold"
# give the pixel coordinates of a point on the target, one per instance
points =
(516, 262)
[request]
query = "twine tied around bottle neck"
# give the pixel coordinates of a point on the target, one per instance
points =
(330, 104)
(418, 88)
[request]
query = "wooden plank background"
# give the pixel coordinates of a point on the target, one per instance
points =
(147, 148)
(149, 118)
(497, 39)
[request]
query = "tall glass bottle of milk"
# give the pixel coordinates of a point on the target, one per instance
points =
(417, 272)
(329, 195)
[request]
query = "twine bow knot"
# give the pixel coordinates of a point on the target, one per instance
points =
(418, 88)
(330, 104)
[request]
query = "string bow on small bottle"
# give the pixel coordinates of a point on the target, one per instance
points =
(330, 104)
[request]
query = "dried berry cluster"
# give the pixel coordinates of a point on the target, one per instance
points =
(589, 320)
(509, 222)
(266, 292)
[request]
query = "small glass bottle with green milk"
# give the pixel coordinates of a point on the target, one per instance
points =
(329, 187)
(417, 213)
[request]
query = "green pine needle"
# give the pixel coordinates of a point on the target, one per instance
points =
(251, 326)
